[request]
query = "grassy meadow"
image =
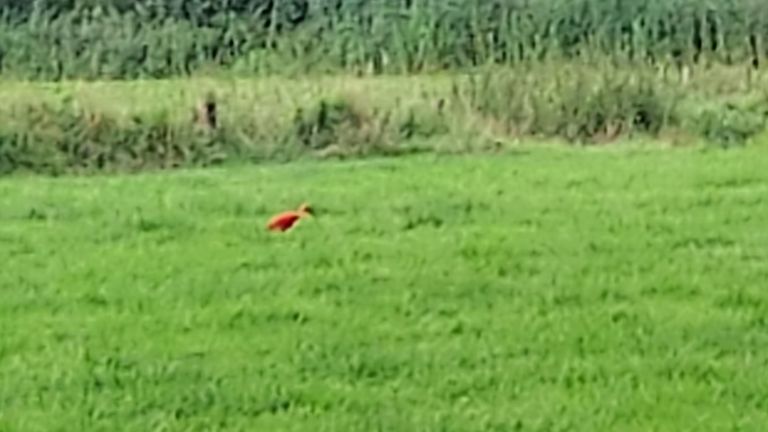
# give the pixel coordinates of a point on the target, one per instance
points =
(543, 289)
(532, 216)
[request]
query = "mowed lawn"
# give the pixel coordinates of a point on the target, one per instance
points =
(544, 290)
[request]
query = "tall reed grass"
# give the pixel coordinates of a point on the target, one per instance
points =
(128, 39)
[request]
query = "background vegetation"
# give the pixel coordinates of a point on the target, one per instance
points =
(482, 74)
(130, 126)
(49, 39)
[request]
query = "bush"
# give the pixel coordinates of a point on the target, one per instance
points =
(348, 125)
(62, 138)
(731, 124)
(339, 122)
(573, 102)
(55, 140)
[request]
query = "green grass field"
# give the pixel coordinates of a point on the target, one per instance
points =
(542, 290)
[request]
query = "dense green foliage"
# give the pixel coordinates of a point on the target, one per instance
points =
(154, 38)
(548, 291)
(130, 126)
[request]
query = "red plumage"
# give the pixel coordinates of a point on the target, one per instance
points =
(287, 220)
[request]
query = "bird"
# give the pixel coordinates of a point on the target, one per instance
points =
(286, 220)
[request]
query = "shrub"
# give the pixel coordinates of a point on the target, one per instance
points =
(732, 124)
(348, 125)
(62, 139)
(572, 102)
